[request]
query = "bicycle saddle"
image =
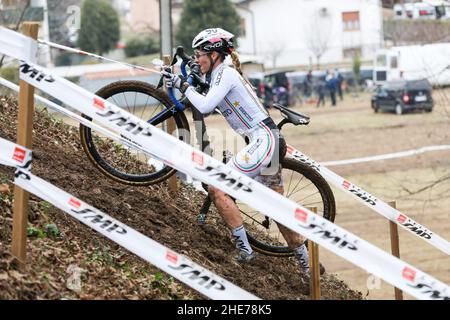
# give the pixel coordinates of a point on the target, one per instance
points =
(291, 116)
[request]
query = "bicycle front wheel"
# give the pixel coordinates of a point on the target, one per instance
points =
(123, 163)
(303, 185)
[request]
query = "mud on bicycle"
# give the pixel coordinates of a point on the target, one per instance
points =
(303, 184)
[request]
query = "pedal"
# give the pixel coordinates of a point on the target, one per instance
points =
(201, 219)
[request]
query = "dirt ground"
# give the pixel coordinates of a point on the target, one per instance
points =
(57, 243)
(350, 130)
(353, 130)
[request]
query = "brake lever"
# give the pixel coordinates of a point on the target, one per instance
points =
(160, 83)
(161, 80)
(180, 53)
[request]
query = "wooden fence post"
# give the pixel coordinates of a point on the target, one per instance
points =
(24, 138)
(170, 129)
(395, 247)
(314, 267)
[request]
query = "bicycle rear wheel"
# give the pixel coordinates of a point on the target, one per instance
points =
(122, 163)
(303, 185)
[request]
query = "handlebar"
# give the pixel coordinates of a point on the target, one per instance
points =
(194, 75)
(186, 60)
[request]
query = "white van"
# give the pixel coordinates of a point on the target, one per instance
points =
(441, 7)
(424, 11)
(430, 61)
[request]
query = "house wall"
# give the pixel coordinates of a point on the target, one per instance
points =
(286, 29)
(144, 15)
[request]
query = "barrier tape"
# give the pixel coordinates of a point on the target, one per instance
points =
(185, 158)
(373, 203)
(189, 160)
(180, 267)
(387, 155)
(197, 277)
(76, 117)
(17, 45)
(113, 136)
(14, 155)
(96, 56)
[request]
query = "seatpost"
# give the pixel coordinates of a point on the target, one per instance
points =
(282, 123)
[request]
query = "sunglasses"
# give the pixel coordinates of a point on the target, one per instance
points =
(198, 54)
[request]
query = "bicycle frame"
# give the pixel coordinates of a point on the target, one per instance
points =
(178, 105)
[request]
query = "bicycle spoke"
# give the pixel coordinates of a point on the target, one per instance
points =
(301, 189)
(301, 200)
(115, 102)
(290, 180)
(296, 185)
(134, 104)
(311, 204)
(126, 102)
(250, 217)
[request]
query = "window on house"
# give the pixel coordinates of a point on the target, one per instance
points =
(394, 63)
(350, 20)
(350, 53)
(381, 60)
(242, 28)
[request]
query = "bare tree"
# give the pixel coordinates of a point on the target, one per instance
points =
(274, 51)
(319, 34)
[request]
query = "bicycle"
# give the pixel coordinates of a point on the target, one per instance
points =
(133, 167)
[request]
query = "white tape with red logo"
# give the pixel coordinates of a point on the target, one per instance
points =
(76, 117)
(17, 46)
(192, 274)
(13, 155)
(185, 158)
(386, 156)
(372, 202)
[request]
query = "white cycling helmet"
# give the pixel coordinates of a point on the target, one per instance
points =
(214, 39)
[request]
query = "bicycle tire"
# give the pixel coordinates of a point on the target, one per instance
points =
(103, 162)
(263, 243)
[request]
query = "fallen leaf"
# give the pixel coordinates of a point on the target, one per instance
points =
(4, 189)
(4, 276)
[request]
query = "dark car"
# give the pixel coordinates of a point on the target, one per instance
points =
(257, 81)
(270, 87)
(277, 89)
(301, 90)
(402, 96)
(365, 73)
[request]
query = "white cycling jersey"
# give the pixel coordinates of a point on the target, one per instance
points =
(233, 96)
(238, 103)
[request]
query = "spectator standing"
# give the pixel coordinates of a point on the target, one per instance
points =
(331, 86)
(321, 93)
(268, 95)
(340, 79)
(307, 87)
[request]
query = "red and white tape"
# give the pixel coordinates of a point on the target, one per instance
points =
(13, 155)
(374, 203)
(180, 267)
(197, 277)
(387, 156)
(76, 117)
(185, 158)
(96, 56)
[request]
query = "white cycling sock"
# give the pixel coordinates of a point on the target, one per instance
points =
(301, 253)
(240, 237)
